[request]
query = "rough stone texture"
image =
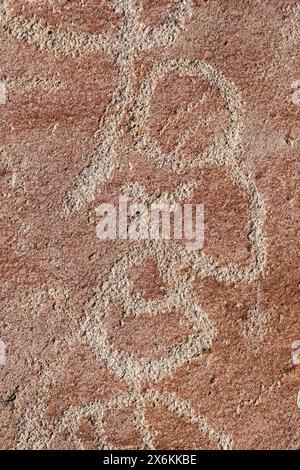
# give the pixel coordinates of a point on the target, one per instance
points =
(203, 356)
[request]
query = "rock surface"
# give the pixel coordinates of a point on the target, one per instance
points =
(141, 344)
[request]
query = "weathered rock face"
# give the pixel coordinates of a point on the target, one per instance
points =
(142, 343)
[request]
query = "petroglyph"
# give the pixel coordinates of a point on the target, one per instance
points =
(124, 46)
(296, 352)
(2, 92)
(35, 435)
(296, 94)
(35, 31)
(131, 39)
(2, 353)
(256, 326)
(48, 84)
